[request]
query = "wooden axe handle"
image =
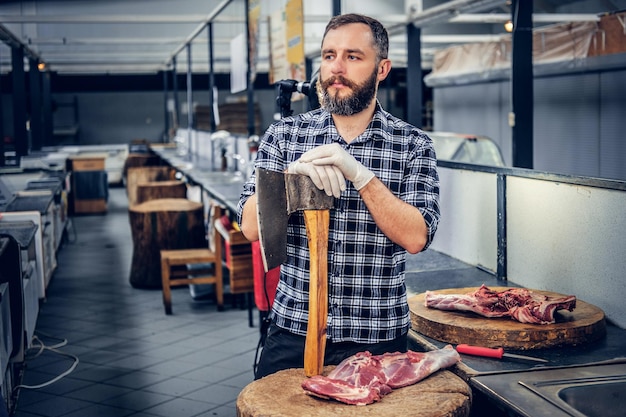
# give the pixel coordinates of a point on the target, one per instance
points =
(317, 223)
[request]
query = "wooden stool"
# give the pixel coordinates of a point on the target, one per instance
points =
(135, 160)
(170, 223)
(442, 394)
(205, 274)
(135, 176)
(154, 190)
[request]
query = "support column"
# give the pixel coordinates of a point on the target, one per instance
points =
(212, 104)
(2, 163)
(47, 124)
(249, 82)
(166, 116)
(414, 75)
(521, 116)
(36, 128)
(190, 123)
(175, 89)
(501, 271)
(20, 135)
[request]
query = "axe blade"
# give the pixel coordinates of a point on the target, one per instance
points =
(279, 195)
(272, 217)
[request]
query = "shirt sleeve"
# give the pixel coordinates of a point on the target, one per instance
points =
(421, 186)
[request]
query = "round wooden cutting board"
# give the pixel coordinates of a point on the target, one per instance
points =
(442, 394)
(583, 325)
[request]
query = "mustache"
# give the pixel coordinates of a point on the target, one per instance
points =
(330, 81)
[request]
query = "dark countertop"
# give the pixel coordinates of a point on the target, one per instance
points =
(30, 201)
(23, 231)
(431, 270)
(21, 190)
(612, 346)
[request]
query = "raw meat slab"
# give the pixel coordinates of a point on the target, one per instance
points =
(583, 325)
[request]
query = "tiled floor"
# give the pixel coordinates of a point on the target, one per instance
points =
(133, 359)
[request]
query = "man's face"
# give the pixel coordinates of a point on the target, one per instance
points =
(349, 72)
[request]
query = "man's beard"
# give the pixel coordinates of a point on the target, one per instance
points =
(356, 102)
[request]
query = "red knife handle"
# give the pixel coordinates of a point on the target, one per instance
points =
(480, 351)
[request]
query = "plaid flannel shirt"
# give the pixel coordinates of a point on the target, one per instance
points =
(367, 295)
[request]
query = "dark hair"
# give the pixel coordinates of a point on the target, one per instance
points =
(379, 33)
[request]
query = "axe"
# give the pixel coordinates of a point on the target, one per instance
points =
(279, 195)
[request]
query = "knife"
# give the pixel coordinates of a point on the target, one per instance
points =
(493, 353)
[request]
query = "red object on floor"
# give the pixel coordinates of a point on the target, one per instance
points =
(264, 283)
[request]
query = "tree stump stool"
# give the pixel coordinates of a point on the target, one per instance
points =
(137, 160)
(155, 190)
(442, 394)
(142, 175)
(170, 223)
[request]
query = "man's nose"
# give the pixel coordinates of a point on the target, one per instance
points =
(338, 66)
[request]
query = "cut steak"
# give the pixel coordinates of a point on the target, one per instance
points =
(520, 304)
(365, 378)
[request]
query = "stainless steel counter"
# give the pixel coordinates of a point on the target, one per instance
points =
(580, 391)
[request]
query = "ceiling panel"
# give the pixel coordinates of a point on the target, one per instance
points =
(142, 36)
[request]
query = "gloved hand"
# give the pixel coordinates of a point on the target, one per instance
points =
(326, 177)
(334, 155)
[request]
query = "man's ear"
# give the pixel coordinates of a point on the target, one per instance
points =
(384, 67)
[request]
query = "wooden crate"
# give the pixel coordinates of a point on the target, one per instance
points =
(240, 266)
(90, 206)
(238, 259)
(87, 162)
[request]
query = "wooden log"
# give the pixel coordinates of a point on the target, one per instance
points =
(171, 223)
(138, 160)
(155, 190)
(442, 394)
(142, 175)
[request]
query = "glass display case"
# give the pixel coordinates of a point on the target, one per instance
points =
(471, 149)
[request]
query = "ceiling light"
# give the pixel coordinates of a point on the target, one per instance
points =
(508, 26)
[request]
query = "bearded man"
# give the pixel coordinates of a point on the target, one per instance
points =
(383, 174)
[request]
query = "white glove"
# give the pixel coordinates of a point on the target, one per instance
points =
(334, 155)
(327, 177)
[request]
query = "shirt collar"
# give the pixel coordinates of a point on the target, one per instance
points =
(376, 130)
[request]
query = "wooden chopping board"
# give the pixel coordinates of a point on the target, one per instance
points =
(442, 394)
(583, 325)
